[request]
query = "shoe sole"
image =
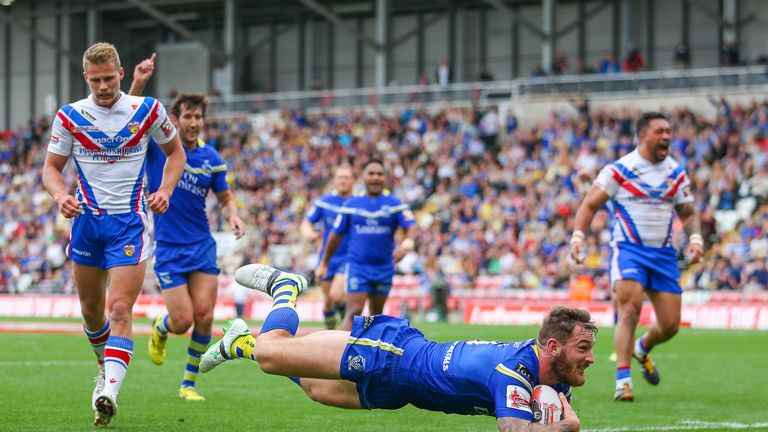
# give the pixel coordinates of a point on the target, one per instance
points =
(105, 410)
(246, 275)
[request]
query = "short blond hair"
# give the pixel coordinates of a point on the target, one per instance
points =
(100, 53)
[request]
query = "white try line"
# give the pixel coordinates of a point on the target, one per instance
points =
(684, 425)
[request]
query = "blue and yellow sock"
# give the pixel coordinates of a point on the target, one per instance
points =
(198, 343)
(341, 308)
(283, 315)
(162, 326)
(329, 318)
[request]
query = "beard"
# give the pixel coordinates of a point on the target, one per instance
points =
(565, 372)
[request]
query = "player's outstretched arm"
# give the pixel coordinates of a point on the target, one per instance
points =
(227, 200)
(54, 184)
(689, 216)
(334, 240)
(569, 423)
(593, 202)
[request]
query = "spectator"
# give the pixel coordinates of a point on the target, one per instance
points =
(634, 61)
(443, 73)
(485, 74)
(609, 64)
(682, 55)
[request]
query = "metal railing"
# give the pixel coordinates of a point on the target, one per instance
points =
(483, 93)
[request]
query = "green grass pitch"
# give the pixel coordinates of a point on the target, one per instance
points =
(711, 380)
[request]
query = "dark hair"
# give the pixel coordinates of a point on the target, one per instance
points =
(646, 118)
(373, 161)
(561, 321)
(189, 101)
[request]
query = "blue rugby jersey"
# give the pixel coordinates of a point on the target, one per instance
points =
(370, 223)
(471, 377)
(326, 208)
(185, 222)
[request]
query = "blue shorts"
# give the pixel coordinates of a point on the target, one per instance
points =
(174, 262)
(336, 265)
(369, 278)
(371, 359)
(655, 268)
(108, 241)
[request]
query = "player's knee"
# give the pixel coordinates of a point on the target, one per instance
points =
(120, 311)
(203, 318)
(670, 329)
(181, 323)
(91, 310)
(265, 354)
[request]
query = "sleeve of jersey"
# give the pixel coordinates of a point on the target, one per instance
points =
(61, 138)
(683, 194)
(219, 175)
(512, 393)
(608, 180)
(161, 129)
(314, 214)
(564, 389)
(341, 224)
(405, 217)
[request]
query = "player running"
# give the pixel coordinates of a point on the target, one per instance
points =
(326, 209)
(385, 363)
(370, 221)
(646, 188)
(185, 251)
(107, 135)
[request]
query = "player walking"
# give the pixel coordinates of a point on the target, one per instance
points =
(107, 135)
(646, 188)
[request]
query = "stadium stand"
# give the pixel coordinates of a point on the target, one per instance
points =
(494, 205)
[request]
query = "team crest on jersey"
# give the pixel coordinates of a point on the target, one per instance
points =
(87, 115)
(129, 250)
(357, 363)
(133, 127)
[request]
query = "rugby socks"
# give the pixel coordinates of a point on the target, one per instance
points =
(163, 326)
(623, 377)
(296, 380)
(341, 308)
(198, 343)
(243, 347)
(283, 315)
(117, 357)
(329, 318)
(98, 340)
(640, 350)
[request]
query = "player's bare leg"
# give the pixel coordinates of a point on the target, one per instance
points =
(667, 307)
(629, 296)
(125, 285)
(337, 294)
(178, 303)
(91, 285)
(376, 304)
(336, 393)
(329, 306)
(355, 306)
(202, 290)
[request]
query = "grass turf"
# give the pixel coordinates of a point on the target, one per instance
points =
(46, 383)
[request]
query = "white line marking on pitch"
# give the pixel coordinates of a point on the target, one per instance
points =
(684, 425)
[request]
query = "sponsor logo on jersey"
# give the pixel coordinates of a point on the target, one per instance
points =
(54, 139)
(367, 321)
(518, 398)
(129, 250)
(133, 127)
(81, 253)
(448, 356)
(522, 370)
(87, 115)
(86, 128)
(481, 410)
(167, 127)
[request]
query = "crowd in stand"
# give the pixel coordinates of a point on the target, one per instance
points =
(490, 198)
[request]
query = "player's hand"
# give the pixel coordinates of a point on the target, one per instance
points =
(694, 252)
(577, 251)
(321, 271)
(399, 253)
(144, 70)
(159, 202)
(69, 206)
(237, 224)
(569, 415)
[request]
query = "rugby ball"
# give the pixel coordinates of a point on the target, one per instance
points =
(545, 405)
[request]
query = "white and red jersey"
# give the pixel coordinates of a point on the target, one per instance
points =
(108, 147)
(644, 196)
